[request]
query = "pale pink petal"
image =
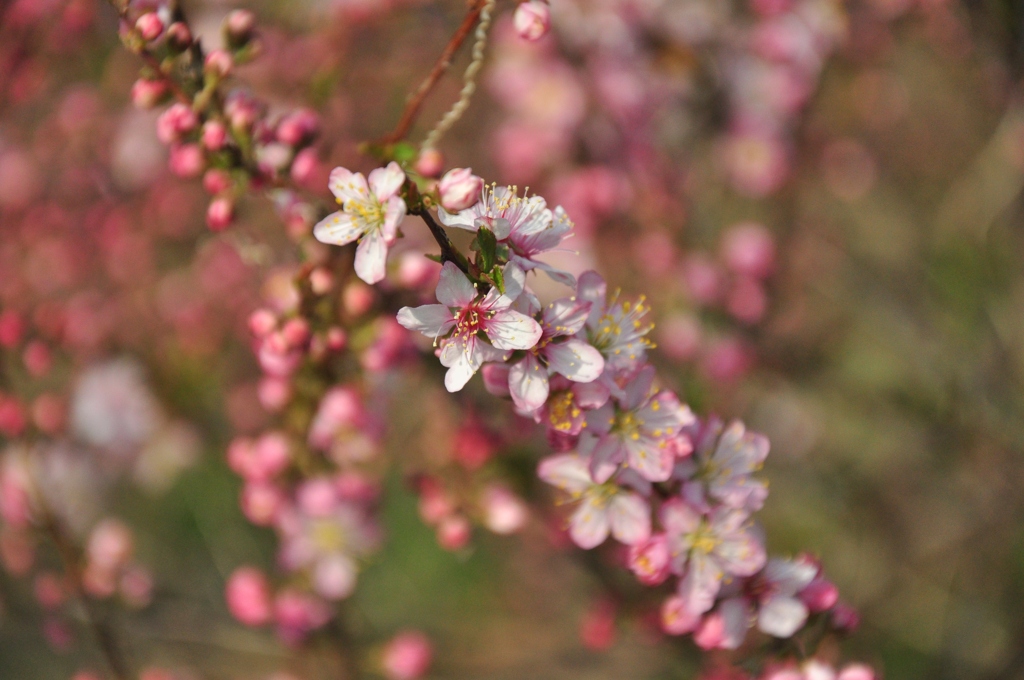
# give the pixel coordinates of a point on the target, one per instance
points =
(496, 379)
(678, 517)
(818, 670)
(512, 330)
(347, 185)
(575, 359)
(857, 671)
(453, 288)
(639, 388)
(781, 616)
(557, 275)
(335, 577)
(630, 517)
(371, 258)
(790, 576)
(499, 226)
(653, 460)
(459, 373)
(588, 525)
(566, 316)
(567, 471)
(676, 618)
(741, 554)
(606, 457)
(592, 288)
(386, 181)
(735, 622)
(701, 583)
(592, 395)
(514, 279)
(338, 229)
(431, 320)
(528, 383)
(394, 213)
(465, 219)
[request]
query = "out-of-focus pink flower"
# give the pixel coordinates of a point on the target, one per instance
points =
(298, 127)
(677, 617)
(306, 167)
(650, 560)
(407, 656)
(148, 93)
(454, 532)
(504, 512)
(178, 120)
(260, 460)
(248, 596)
(748, 248)
(186, 160)
(597, 628)
(215, 136)
(261, 502)
(238, 26)
(430, 163)
(459, 189)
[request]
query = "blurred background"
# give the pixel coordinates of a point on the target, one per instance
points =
(821, 199)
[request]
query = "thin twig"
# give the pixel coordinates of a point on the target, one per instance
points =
(415, 102)
(449, 253)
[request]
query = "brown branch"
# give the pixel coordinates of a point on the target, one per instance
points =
(415, 102)
(449, 253)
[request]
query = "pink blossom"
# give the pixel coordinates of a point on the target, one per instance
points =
(604, 508)
(721, 468)
(504, 512)
(248, 596)
(407, 656)
(430, 163)
(186, 160)
(616, 329)
(220, 213)
(454, 532)
(459, 189)
(677, 617)
(215, 135)
(650, 560)
(464, 314)
(532, 19)
(371, 212)
(573, 358)
(636, 430)
(149, 26)
(748, 248)
(218, 63)
(523, 223)
(178, 120)
(148, 93)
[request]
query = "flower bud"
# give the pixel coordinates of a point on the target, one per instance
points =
(149, 26)
(175, 122)
(407, 656)
(248, 596)
(504, 512)
(262, 322)
(215, 135)
(216, 181)
(186, 160)
(650, 560)
(305, 167)
(532, 19)
(430, 163)
(454, 532)
(273, 393)
(459, 189)
(220, 213)
(148, 93)
(260, 502)
(179, 37)
(218, 63)
(238, 26)
(298, 127)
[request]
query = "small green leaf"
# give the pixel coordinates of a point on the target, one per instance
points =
(404, 152)
(486, 246)
(499, 279)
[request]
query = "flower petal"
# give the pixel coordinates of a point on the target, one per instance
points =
(781, 616)
(431, 320)
(575, 359)
(453, 288)
(567, 471)
(589, 525)
(566, 316)
(630, 517)
(386, 181)
(347, 185)
(735, 622)
(371, 258)
(528, 383)
(701, 583)
(512, 330)
(394, 213)
(338, 229)
(464, 219)
(592, 288)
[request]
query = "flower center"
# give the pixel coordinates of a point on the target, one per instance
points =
(562, 411)
(703, 540)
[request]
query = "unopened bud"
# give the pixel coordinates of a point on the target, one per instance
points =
(238, 26)
(459, 189)
(220, 213)
(215, 135)
(532, 19)
(149, 26)
(179, 37)
(430, 163)
(218, 63)
(148, 93)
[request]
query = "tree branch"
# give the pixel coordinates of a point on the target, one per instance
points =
(415, 102)
(449, 253)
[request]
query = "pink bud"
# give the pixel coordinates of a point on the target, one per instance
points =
(820, 595)
(295, 332)
(12, 417)
(11, 329)
(702, 279)
(37, 359)
(504, 512)
(148, 93)
(336, 339)
(459, 189)
(238, 25)
(357, 298)
(178, 120)
(845, 618)
(435, 504)
(597, 629)
(747, 301)
(297, 613)
(149, 26)
(262, 322)
(215, 135)
(407, 656)
(305, 167)
(317, 497)
(48, 413)
(49, 590)
(416, 271)
(186, 160)
(248, 596)
(179, 36)
(273, 393)
(298, 127)
(676, 617)
(321, 280)
(532, 19)
(220, 213)
(748, 248)
(272, 453)
(454, 532)
(711, 633)
(218, 63)
(216, 181)
(136, 586)
(496, 379)
(260, 503)
(430, 163)
(474, 446)
(650, 559)
(110, 545)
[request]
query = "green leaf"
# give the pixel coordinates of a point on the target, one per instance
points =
(486, 246)
(404, 152)
(498, 278)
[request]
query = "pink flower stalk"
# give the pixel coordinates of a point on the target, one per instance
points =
(616, 329)
(708, 548)
(532, 19)
(721, 469)
(523, 223)
(248, 596)
(464, 314)
(371, 212)
(604, 508)
(459, 189)
(636, 431)
(407, 656)
(573, 358)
